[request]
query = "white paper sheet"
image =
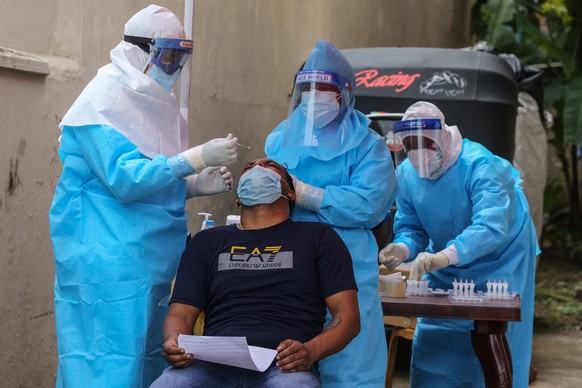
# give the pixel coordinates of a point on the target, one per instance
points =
(233, 351)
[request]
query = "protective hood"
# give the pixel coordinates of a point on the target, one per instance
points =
(423, 119)
(134, 104)
(343, 133)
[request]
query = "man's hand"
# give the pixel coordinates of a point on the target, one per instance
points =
(175, 355)
(293, 356)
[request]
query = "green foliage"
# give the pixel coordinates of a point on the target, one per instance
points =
(548, 32)
(556, 305)
(573, 110)
(542, 31)
(498, 14)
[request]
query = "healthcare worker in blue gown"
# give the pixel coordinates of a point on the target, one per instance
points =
(117, 221)
(461, 214)
(344, 177)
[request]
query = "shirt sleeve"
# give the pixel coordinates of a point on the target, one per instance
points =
(119, 165)
(191, 283)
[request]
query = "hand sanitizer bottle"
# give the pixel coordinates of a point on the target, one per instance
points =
(207, 223)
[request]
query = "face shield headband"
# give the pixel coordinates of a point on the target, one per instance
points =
(417, 141)
(416, 125)
(169, 54)
(305, 78)
(403, 128)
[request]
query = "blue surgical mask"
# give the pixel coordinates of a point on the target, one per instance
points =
(166, 81)
(322, 106)
(259, 186)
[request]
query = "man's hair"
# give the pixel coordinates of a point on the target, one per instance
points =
(289, 181)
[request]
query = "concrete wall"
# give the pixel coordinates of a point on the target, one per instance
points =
(246, 53)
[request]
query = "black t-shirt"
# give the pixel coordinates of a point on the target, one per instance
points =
(268, 284)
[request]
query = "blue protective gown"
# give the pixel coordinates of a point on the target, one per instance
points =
(360, 186)
(118, 228)
(478, 205)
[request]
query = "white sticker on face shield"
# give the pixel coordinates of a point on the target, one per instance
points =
(326, 78)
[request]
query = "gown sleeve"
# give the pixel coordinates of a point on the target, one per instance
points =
(365, 200)
(491, 186)
(407, 226)
(118, 164)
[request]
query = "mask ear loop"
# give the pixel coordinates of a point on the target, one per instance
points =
(289, 187)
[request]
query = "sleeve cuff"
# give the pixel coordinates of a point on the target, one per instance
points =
(180, 167)
(451, 253)
(406, 250)
(312, 198)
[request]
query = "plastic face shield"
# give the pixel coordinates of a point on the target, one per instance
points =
(317, 99)
(418, 141)
(170, 54)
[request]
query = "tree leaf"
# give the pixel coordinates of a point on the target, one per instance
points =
(573, 111)
(500, 12)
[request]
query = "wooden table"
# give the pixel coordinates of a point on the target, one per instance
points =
(488, 336)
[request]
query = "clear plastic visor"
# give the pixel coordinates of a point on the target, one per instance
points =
(170, 54)
(417, 141)
(315, 104)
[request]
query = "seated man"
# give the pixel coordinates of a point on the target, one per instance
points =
(268, 279)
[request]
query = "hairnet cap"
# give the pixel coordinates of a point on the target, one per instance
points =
(155, 22)
(325, 56)
(423, 110)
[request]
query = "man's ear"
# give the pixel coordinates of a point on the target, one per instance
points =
(237, 202)
(292, 196)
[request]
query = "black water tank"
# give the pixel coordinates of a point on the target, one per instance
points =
(476, 91)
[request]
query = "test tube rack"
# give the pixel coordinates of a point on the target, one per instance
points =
(417, 288)
(464, 291)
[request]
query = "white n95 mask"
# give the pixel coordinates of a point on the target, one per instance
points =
(424, 161)
(259, 186)
(321, 106)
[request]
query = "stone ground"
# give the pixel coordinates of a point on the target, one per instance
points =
(557, 340)
(557, 356)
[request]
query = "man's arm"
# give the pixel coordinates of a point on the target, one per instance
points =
(180, 320)
(294, 356)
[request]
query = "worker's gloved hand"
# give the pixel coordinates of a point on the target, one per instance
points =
(393, 255)
(308, 197)
(211, 180)
(216, 152)
(427, 262)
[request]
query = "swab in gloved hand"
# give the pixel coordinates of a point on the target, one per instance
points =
(427, 262)
(216, 152)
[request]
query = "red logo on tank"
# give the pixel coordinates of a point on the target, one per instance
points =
(370, 78)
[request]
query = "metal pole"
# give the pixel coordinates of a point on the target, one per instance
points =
(186, 71)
